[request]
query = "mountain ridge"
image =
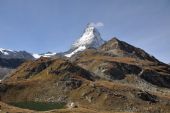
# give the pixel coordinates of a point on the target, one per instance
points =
(121, 48)
(8, 54)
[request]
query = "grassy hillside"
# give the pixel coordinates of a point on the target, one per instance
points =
(59, 80)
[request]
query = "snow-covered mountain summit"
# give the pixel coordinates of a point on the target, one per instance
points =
(8, 54)
(90, 39)
(48, 54)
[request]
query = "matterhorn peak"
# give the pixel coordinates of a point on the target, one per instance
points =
(90, 39)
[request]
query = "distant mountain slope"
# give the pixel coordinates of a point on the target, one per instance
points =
(8, 54)
(10, 60)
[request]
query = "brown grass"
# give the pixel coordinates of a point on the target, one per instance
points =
(11, 109)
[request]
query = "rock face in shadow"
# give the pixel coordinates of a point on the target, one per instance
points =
(161, 80)
(72, 69)
(7, 65)
(147, 97)
(37, 69)
(116, 70)
(10, 60)
(11, 63)
(3, 87)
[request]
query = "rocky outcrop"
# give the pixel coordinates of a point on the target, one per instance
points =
(123, 49)
(11, 63)
(3, 87)
(147, 97)
(70, 68)
(162, 80)
(116, 70)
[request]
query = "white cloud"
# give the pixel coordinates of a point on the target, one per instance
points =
(97, 24)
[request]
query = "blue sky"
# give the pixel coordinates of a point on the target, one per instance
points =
(53, 25)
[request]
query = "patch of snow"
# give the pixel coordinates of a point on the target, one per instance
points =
(36, 56)
(81, 48)
(5, 51)
(48, 54)
(1, 49)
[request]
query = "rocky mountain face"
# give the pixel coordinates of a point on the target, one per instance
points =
(111, 76)
(118, 68)
(90, 39)
(119, 48)
(7, 65)
(10, 60)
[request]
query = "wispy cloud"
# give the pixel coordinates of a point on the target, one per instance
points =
(97, 24)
